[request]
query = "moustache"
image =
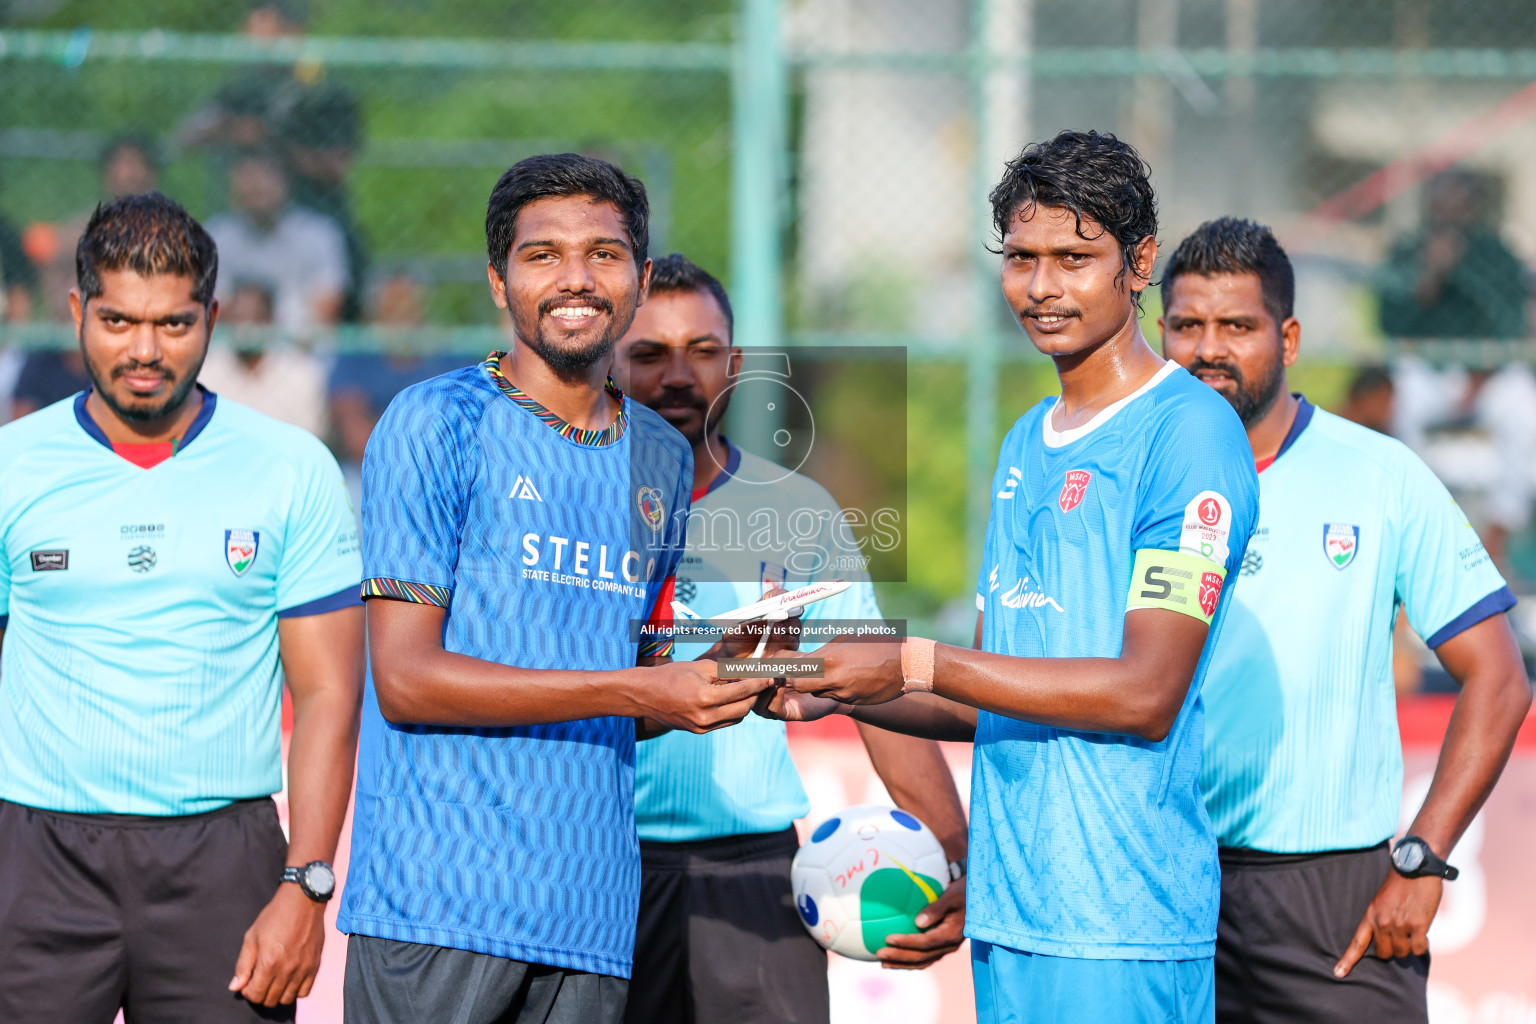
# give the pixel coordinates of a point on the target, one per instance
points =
(1230, 369)
(140, 369)
(689, 399)
(1042, 311)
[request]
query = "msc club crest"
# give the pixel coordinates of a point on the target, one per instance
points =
(240, 547)
(648, 499)
(1340, 543)
(1073, 490)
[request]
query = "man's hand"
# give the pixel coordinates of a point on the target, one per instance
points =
(1398, 920)
(782, 704)
(280, 955)
(687, 695)
(943, 924)
(856, 673)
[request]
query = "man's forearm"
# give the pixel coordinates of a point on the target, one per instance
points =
(924, 715)
(438, 687)
(919, 780)
(321, 753)
(1477, 746)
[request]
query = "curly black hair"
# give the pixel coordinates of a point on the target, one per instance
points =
(1229, 245)
(148, 234)
(1093, 174)
(563, 174)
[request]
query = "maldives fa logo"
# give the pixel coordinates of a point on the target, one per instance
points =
(651, 509)
(1340, 542)
(1073, 490)
(240, 548)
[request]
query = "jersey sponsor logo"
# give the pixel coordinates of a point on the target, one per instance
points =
(1011, 484)
(582, 563)
(1073, 490)
(1210, 592)
(1021, 595)
(50, 561)
(648, 500)
(992, 578)
(523, 489)
(142, 558)
(1207, 525)
(240, 548)
(1341, 542)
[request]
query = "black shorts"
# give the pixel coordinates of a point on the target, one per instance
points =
(1285, 921)
(719, 939)
(394, 982)
(106, 911)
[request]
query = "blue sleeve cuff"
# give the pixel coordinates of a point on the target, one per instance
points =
(3, 620)
(347, 597)
(1501, 600)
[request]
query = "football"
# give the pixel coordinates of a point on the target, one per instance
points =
(865, 873)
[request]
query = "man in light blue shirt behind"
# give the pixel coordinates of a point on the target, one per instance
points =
(1303, 770)
(716, 811)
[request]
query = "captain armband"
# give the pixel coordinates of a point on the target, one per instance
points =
(1176, 581)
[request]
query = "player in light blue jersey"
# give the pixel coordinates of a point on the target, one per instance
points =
(520, 518)
(167, 559)
(1303, 772)
(718, 929)
(1118, 512)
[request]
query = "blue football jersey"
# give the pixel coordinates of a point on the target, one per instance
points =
(1089, 844)
(1302, 753)
(546, 544)
(140, 666)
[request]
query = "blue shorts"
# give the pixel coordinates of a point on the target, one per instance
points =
(1029, 988)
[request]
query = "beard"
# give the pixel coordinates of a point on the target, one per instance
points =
(142, 410)
(689, 398)
(565, 358)
(1249, 399)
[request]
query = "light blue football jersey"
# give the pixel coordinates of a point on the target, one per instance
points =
(547, 545)
(1088, 844)
(140, 663)
(1302, 752)
(755, 528)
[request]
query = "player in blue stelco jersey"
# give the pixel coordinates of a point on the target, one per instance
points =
(718, 928)
(519, 518)
(167, 561)
(1118, 511)
(1303, 770)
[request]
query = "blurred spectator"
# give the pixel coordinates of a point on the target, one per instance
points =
(46, 377)
(130, 164)
(283, 381)
(246, 111)
(319, 140)
(1369, 399)
(299, 254)
(362, 385)
(1455, 278)
(18, 277)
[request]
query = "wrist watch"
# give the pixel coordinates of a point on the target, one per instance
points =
(316, 879)
(1412, 858)
(957, 869)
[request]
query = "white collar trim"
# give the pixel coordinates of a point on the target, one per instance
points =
(1060, 438)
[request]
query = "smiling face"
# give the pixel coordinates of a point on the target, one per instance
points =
(144, 340)
(1065, 289)
(1218, 328)
(572, 284)
(677, 358)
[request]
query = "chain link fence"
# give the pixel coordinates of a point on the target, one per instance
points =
(831, 159)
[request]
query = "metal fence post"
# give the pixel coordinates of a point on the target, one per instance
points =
(758, 83)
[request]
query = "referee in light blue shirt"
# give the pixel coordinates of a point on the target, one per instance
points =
(167, 561)
(1303, 770)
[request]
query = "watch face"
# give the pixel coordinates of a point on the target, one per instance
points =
(320, 878)
(1408, 857)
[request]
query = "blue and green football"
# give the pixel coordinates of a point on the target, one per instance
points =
(865, 873)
